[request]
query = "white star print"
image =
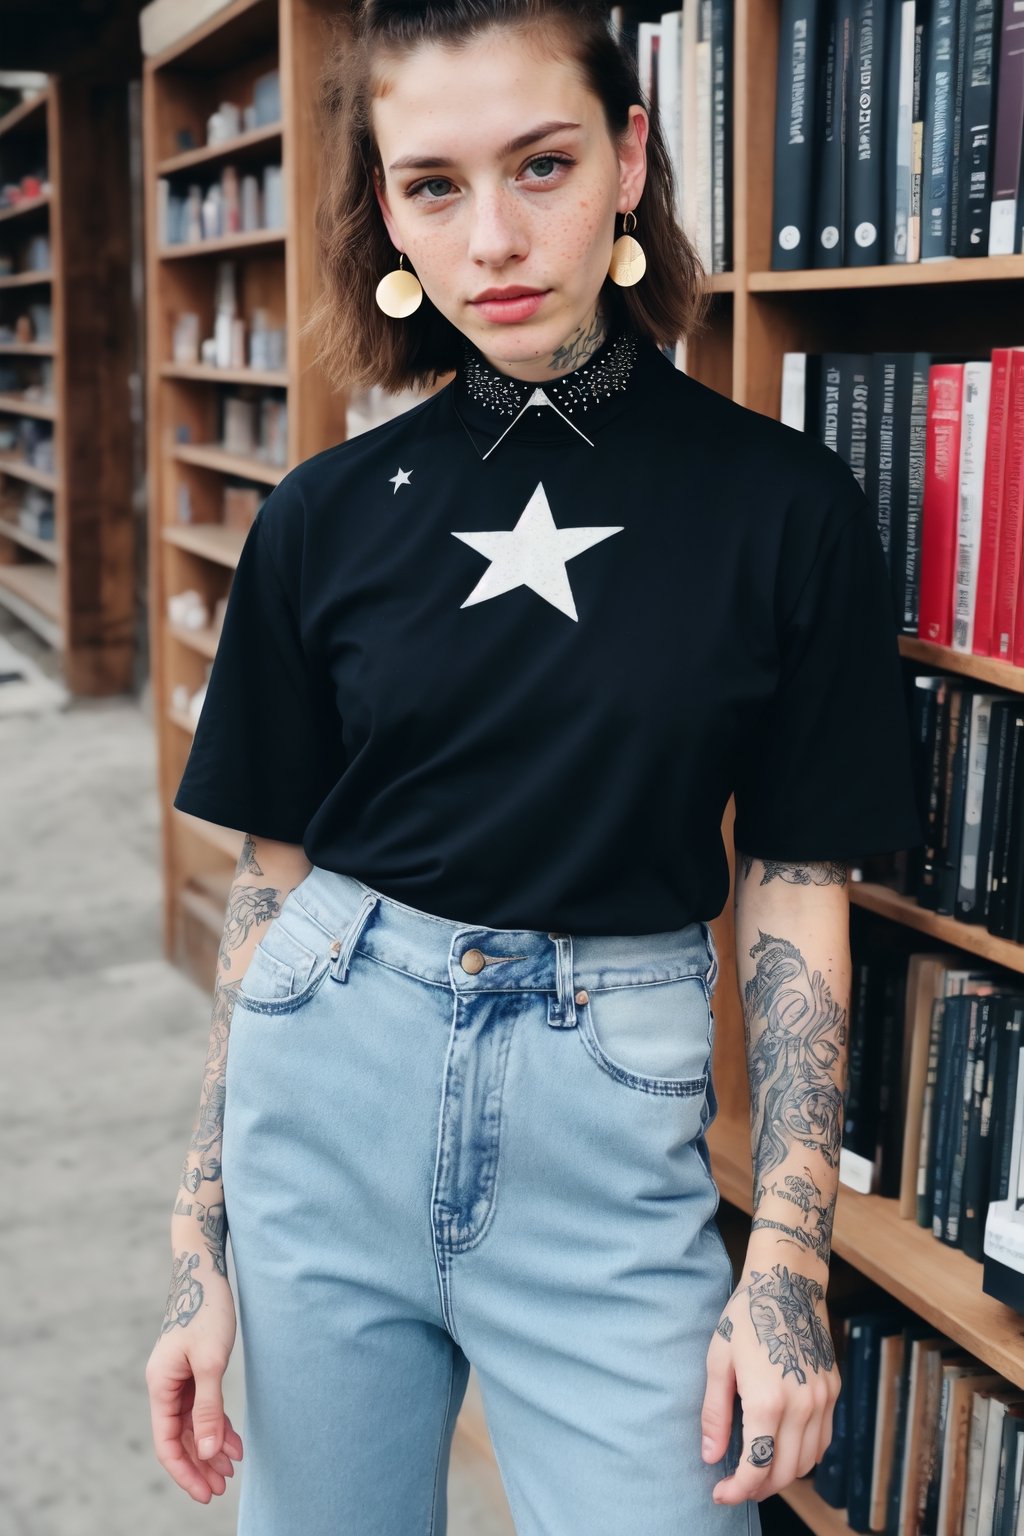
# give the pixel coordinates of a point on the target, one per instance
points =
(402, 478)
(533, 554)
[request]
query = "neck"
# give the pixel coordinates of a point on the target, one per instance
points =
(576, 350)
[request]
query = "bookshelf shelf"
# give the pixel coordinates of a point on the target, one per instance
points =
(75, 587)
(205, 373)
(196, 533)
(26, 116)
(221, 245)
(241, 146)
(212, 542)
(26, 279)
(11, 464)
(15, 405)
(914, 274)
(202, 640)
(940, 1283)
(44, 547)
(212, 456)
(985, 668)
(26, 208)
(969, 936)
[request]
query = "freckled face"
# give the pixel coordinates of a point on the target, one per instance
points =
(483, 216)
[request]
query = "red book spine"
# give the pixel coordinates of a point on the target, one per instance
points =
(1012, 518)
(995, 460)
(940, 504)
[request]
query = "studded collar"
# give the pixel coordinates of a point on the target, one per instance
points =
(497, 407)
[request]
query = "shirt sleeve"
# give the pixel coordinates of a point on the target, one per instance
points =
(829, 771)
(267, 746)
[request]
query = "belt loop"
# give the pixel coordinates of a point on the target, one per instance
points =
(342, 949)
(562, 1010)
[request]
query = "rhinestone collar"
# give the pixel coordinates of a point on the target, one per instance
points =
(572, 407)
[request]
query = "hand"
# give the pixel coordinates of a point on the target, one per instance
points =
(193, 1436)
(772, 1344)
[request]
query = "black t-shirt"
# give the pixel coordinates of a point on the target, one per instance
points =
(506, 656)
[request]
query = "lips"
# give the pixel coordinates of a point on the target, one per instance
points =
(497, 294)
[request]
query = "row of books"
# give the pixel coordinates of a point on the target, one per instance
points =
(969, 767)
(232, 205)
(926, 1437)
(937, 444)
(685, 63)
(934, 1102)
(898, 132)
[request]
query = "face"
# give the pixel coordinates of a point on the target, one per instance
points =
(474, 215)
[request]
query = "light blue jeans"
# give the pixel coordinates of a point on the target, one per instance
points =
(447, 1143)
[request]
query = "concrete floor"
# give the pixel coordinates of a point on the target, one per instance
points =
(104, 1044)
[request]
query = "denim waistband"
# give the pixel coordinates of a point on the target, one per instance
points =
(475, 957)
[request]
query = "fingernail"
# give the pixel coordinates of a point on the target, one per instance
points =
(706, 1448)
(207, 1445)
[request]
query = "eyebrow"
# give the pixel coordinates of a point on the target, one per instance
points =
(435, 162)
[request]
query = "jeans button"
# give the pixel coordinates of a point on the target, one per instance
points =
(473, 961)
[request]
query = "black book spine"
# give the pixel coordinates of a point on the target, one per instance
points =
(855, 1114)
(940, 89)
(890, 1117)
(974, 179)
(947, 1090)
(960, 58)
(1006, 1099)
(1001, 906)
(979, 1146)
(995, 773)
(865, 139)
(931, 866)
(960, 1128)
(721, 134)
(793, 184)
(830, 178)
(954, 837)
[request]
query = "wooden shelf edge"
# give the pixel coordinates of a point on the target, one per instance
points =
(27, 205)
(951, 269)
(25, 279)
(1001, 674)
(254, 239)
(46, 409)
(238, 145)
(17, 115)
(206, 373)
(969, 936)
(939, 1283)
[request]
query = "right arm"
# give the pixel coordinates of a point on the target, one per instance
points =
(184, 1370)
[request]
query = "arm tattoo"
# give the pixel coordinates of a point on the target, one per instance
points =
(813, 1221)
(185, 1296)
(796, 874)
(795, 1063)
(247, 906)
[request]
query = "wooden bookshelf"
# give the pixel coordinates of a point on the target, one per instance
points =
(74, 588)
(757, 315)
(274, 271)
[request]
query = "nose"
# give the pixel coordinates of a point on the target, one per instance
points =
(497, 234)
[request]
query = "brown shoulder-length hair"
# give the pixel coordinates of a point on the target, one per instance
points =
(354, 341)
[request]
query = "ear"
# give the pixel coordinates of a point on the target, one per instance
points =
(382, 203)
(632, 152)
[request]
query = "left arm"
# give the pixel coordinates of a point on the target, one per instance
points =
(773, 1342)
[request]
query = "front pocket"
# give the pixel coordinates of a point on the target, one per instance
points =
(283, 972)
(652, 1036)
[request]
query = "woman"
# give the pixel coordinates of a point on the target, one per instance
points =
(489, 675)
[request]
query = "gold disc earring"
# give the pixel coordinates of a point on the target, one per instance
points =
(628, 263)
(399, 292)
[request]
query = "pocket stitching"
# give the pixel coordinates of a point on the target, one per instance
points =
(675, 1087)
(287, 1004)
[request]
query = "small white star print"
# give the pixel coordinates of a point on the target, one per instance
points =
(402, 478)
(533, 554)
